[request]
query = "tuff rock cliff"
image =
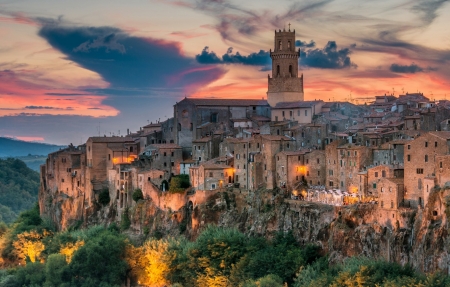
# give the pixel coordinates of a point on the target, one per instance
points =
(418, 237)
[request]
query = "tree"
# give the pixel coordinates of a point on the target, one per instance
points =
(179, 183)
(70, 248)
(54, 270)
(99, 261)
(103, 197)
(137, 195)
(29, 245)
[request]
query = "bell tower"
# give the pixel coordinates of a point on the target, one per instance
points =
(284, 85)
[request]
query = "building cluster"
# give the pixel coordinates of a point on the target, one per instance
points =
(392, 151)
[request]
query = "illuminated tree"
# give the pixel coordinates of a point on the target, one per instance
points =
(70, 248)
(29, 245)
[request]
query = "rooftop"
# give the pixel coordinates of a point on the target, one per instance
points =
(227, 102)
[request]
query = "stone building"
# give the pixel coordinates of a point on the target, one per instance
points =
(315, 163)
(165, 157)
(284, 85)
(213, 174)
(205, 148)
(351, 160)
(301, 112)
(420, 159)
(391, 193)
(198, 117)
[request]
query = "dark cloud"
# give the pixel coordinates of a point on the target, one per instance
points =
(427, 9)
(261, 58)
(130, 64)
(41, 108)
(234, 21)
(410, 69)
(207, 57)
(330, 57)
(311, 44)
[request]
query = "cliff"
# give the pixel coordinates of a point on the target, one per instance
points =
(415, 236)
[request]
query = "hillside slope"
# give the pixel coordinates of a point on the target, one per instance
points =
(18, 188)
(13, 148)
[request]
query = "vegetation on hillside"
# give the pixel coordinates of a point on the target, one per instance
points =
(219, 257)
(14, 148)
(18, 188)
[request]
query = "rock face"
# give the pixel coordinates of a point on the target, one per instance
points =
(419, 237)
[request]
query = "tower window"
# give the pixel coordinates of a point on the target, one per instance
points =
(280, 46)
(289, 45)
(278, 70)
(290, 70)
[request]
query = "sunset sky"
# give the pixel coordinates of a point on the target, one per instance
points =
(74, 69)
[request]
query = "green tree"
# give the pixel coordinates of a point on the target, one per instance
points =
(179, 183)
(103, 197)
(99, 261)
(137, 195)
(54, 270)
(125, 222)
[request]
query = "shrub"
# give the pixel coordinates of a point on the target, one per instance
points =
(103, 197)
(125, 223)
(137, 195)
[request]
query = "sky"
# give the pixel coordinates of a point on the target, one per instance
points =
(74, 69)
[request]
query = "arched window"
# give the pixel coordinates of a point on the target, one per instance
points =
(289, 45)
(290, 70)
(280, 46)
(278, 70)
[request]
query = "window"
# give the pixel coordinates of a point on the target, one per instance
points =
(382, 189)
(276, 118)
(172, 163)
(62, 179)
(290, 70)
(330, 184)
(426, 144)
(171, 153)
(426, 158)
(409, 157)
(257, 145)
(307, 161)
(290, 114)
(249, 145)
(282, 113)
(440, 164)
(374, 185)
(419, 171)
(318, 173)
(131, 149)
(342, 184)
(376, 174)
(409, 146)
(179, 127)
(280, 46)
(289, 45)
(356, 153)
(419, 183)
(381, 204)
(214, 117)
(165, 154)
(165, 163)
(306, 113)
(318, 160)
(109, 156)
(287, 145)
(278, 70)
(213, 186)
(307, 173)
(383, 173)
(210, 174)
(191, 127)
(265, 167)
(435, 144)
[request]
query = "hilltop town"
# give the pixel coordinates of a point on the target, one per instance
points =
(390, 153)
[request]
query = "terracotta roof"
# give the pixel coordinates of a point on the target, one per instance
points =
(293, 105)
(296, 152)
(275, 138)
(163, 146)
(441, 134)
(110, 139)
(227, 102)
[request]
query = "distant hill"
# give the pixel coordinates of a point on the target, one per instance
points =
(15, 148)
(18, 188)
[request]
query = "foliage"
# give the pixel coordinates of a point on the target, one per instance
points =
(103, 197)
(99, 261)
(18, 188)
(179, 183)
(266, 281)
(125, 222)
(149, 263)
(29, 246)
(70, 248)
(137, 195)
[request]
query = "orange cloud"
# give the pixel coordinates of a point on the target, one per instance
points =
(19, 96)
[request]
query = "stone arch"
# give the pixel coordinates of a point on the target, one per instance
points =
(164, 185)
(190, 205)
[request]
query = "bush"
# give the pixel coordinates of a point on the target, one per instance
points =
(137, 195)
(125, 223)
(179, 183)
(103, 197)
